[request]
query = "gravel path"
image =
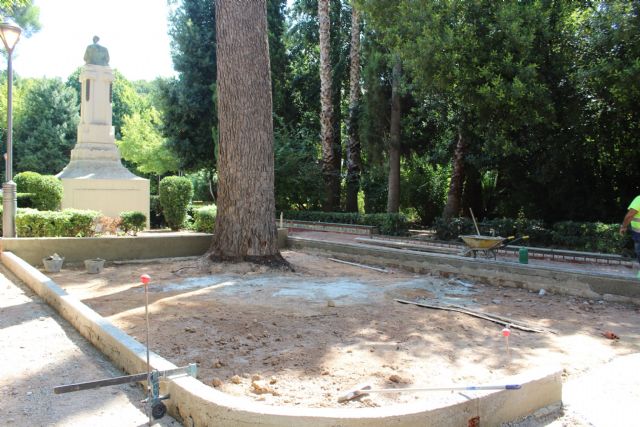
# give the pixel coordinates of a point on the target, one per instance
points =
(40, 350)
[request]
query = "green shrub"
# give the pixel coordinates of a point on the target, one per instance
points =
(156, 218)
(205, 218)
(390, 224)
(68, 223)
(133, 221)
(577, 236)
(175, 195)
(589, 236)
(46, 190)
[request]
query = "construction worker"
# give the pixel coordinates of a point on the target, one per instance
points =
(633, 218)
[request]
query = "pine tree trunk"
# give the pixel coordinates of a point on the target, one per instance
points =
(354, 162)
(452, 208)
(326, 111)
(245, 228)
(393, 195)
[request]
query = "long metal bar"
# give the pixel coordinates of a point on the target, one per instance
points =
(185, 370)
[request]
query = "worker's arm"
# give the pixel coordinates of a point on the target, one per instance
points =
(627, 220)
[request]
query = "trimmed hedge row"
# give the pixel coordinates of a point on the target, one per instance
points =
(67, 223)
(46, 190)
(389, 224)
(578, 236)
(205, 218)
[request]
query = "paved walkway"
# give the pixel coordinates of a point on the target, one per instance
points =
(40, 350)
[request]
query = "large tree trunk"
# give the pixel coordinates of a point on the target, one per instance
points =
(393, 194)
(245, 225)
(329, 173)
(354, 162)
(452, 208)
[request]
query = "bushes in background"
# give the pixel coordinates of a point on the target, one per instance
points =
(390, 224)
(67, 223)
(205, 218)
(45, 190)
(133, 221)
(571, 235)
(175, 195)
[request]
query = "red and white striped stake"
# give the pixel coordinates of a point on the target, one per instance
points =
(505, 333)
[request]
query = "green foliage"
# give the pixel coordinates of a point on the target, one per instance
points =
(176, 193)
(133, 221)
(298, 175)
(156, 218)
(68, 223)
(204, 182)
(424, 187)
(589, 236)
(374, 185)
(389, 224)
(505, 227)
(22, 12)
(46, 120)
(205, 218)
(188, 101)
(143, 144)
(46, 190)
(578, 236)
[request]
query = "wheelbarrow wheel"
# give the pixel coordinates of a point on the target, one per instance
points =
(158, 410)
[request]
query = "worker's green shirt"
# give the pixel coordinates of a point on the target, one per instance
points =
(635, 221)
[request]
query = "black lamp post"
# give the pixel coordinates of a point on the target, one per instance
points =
(10, 35)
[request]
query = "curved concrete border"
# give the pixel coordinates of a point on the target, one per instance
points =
(199, 405)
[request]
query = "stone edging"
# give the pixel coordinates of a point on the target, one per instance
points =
(197, 404)
(574, 282)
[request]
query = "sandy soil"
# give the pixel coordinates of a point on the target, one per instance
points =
(307, 337)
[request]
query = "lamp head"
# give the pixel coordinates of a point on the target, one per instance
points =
(9, 34)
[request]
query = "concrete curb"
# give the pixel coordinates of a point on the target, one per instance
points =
(563, 281)
(199, 405)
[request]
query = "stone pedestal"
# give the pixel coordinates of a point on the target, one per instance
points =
(95, 178)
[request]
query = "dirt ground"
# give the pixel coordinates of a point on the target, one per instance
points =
(306, 337)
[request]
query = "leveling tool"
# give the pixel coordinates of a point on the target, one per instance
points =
(152, 377)
(154, 399)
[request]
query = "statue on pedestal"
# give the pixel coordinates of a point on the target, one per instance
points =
(96, 54)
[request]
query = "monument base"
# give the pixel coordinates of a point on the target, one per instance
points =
(109, 196)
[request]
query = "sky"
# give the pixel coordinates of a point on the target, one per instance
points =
(134, 31)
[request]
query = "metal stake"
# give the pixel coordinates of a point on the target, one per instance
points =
(145, 279)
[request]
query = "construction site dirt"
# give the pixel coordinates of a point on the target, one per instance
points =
(304, 338)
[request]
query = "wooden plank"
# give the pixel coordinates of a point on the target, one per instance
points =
(511, 323)
(355, 264)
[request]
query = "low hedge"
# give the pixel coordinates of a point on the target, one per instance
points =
(66, 223)
(205, 218)
(389, 224)
(46, 190)
(571, 235)
(133, 221)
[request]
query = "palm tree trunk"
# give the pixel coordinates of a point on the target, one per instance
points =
(326, 110)
(393, 194)
(452, 208)
(354, 161)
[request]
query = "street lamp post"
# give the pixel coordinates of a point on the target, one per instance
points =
(10, 35)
